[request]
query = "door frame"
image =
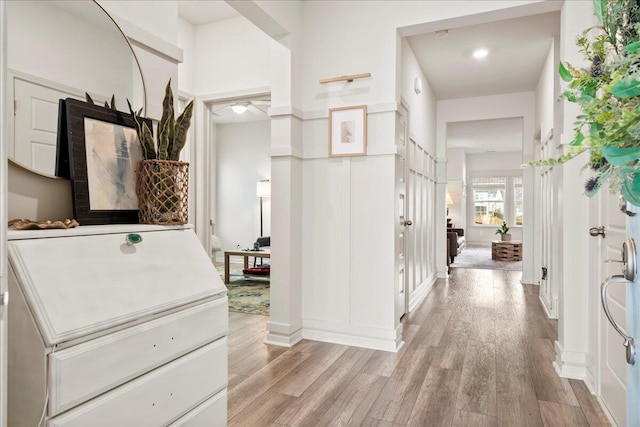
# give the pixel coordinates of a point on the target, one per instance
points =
(4, 134)
(205, 157)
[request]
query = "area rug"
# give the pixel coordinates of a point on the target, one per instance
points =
(247, 295)
(480, 257)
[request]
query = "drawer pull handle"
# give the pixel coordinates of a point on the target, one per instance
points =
(133, 238)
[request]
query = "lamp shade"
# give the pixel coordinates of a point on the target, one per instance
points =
(263, 189)
(449, 200)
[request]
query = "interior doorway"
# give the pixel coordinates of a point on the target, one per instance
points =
(240, 217)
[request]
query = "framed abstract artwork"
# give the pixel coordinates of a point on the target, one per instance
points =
(348, 131)
(104, 153)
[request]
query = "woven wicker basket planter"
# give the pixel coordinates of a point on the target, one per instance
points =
(162, 187)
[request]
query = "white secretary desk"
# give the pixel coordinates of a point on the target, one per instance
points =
(106, 333)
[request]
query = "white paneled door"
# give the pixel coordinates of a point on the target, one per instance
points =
(415, 181)
(36, 122)
(403, 221)
(612, 359)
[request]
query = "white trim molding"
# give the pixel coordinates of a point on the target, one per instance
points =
(283, 335)
(142, 38)
(423, 290)
(377, 339)
(570, 364)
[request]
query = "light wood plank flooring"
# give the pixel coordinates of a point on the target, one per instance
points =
(478, 352)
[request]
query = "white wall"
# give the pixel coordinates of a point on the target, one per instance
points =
(39, 198)
(489, 164)
(420, 168)
(243, 160)
(159, 18)
(231, 55)
(422, 106)
(187, 69)
(69, 49)
(546, 107)
(571, 235)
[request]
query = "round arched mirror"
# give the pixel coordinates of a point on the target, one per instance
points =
(58, 50)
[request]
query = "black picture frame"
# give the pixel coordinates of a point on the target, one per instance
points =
(103, 154)
(62, 145)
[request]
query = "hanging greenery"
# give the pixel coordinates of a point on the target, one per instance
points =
(608, 93)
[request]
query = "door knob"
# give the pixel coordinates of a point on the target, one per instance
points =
(408, 223)
(628, 343)
(597, 231)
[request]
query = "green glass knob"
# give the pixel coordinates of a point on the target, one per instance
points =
(133, 238)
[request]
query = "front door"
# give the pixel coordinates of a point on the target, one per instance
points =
(612, 360)
(633, 320)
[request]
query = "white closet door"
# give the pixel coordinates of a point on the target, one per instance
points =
(36, 125)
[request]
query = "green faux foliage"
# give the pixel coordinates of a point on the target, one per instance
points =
(172, 132)
(608, 93)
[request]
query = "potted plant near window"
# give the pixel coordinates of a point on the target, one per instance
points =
(504, 232)
(607, 90)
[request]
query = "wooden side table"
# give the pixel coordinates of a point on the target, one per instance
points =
(506, 251)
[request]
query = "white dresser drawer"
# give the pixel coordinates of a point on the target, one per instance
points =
(79, 286)
(212, 413)
(86, 370)
(159, 397)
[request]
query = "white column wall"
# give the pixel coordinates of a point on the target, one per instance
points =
(572, 220)
(3, 220)
(546, 93)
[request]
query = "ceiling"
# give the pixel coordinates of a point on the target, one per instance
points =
(481, 136)
(199, 12)
(517, 48)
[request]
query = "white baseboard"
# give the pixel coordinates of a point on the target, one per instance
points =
(354, 336)
(590, 382)
(549, 314)
(443, 274)
(283, 335)
(422, 291)
(570, 364)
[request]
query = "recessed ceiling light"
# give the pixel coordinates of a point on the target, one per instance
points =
(480, 53)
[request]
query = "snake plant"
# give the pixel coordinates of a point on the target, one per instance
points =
(172, 132)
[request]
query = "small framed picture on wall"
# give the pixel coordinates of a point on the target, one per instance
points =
(348, 131)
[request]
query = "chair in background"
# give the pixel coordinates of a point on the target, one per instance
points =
(261, 242)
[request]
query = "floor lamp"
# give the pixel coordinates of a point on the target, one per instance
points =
(263, 189)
